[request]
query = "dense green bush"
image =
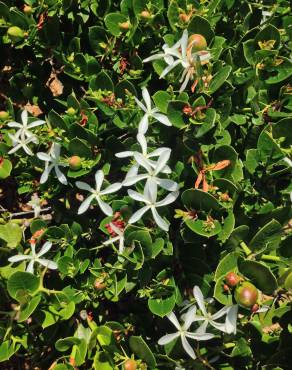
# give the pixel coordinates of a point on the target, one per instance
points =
(145, 166)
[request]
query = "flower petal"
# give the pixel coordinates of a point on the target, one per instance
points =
(170, 198)
(221, 313)
(168, 338)
(143, 125)
(45, 174)
(35, 124)
(124, 154)
(187, 347)
(111, 240)
(47, 263)
(30, 267)
(61, 177)
(189, 317)
(45, 248)
(24, 117)
(172, 318)
(198, 336)
(111, 188)
(18, 258)
(150, 190)
(129, 181)
(85, 204)
(167, 184)
(157, 152)
(202, 328)
(162, 118)
(159, 220)
(162, 160)
(44, 157)
(106, 209)
(99, 177)
(146, 98)
(200, 299)
(142, 161)
(231, 319)
(83, 186)
(138, 214)
(137, 196)
(141, 105)
(143, 143)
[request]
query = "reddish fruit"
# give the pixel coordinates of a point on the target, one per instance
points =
(246, 295)
(184, 17)
(197, 42)
(232, 279)
(226, 288)
(99, 284)
(254, 308)
(75, 163)
(130, 364)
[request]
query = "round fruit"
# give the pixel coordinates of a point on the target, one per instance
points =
(75, 163)
(125, 25)
(71, 111)
(145, 14)
(4, 115)
(15, 33)
(130, 364)
(197, 42)
(232, 279)
(99, 284)
(184, 17)
(246, 294)
(27, 9)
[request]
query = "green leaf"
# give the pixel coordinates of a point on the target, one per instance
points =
(219, 78)
(220, 295)
(141, 349)
(161, 99)
(64, 344)
(227, 264)
(175, 113)
(11, 233)
(161, 306)
(268, 149)
(270, 32)
(22, 282)
(112, 21)
(259, 274)
(5, 168)
(56, 120)
(80, 147)
(7, 349)
(201, 26)
(267, 238)
(102, 361)
(102, 81)
(195, 199)
(28, 308)
(242, 348)
(203, 228)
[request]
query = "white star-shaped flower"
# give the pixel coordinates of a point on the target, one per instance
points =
(24, 127)
(150, 199)
(35, 258)
(229, 326)
(153, 171)
(52, 160)
(183, 333)
(19, 142)
(97, 194)
(149, 112)
(120, 237)
(133, 171)
(181, 54)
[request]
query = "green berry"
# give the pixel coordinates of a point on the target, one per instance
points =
(15, 33)
(4, 115)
